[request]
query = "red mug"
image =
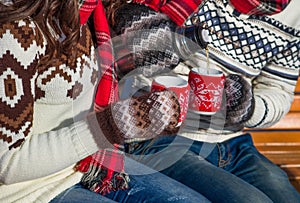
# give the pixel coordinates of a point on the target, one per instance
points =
(179, 86)
(206, 90)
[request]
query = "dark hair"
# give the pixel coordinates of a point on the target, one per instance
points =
(111, 7)
(60, 16)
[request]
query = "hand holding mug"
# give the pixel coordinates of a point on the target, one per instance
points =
(179, 86)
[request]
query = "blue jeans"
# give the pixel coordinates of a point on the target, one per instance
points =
(231, 171)
(146, 185)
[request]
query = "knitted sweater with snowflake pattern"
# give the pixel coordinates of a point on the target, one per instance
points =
(265, 51)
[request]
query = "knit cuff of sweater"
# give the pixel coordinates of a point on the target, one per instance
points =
(83, 140)
(259, 113)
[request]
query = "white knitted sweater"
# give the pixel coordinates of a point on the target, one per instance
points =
(42, 134)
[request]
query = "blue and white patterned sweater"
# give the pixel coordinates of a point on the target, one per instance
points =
(263, 50)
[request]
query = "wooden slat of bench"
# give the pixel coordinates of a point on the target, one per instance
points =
(296, 104)
(292, 170)
(290, 122)
(269, 136)
(284, 158)
(298, 86)
(296, 184)
(277, 148)
(294, 176)
(293, 173)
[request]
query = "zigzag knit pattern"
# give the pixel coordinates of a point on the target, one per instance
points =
(23, 84)
(148, 36)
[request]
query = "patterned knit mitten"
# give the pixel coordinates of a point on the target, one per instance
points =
(239, 100)
(142, 117)
(146, 36)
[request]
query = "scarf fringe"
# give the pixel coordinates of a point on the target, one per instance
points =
(96, 179)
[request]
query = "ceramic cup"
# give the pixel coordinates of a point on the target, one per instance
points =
(179, 86)
(206, 90)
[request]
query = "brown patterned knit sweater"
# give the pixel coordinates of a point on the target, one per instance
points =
(36, 106)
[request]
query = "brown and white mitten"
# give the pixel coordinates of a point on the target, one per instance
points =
(140, 118)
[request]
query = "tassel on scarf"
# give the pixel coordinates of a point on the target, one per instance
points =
(98, 180)
(104, 171)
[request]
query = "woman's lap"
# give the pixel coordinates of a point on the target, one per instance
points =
(78, 194)
(233, 170)
(260, 172)
(214, 183)
(145, 185)
(156, 188)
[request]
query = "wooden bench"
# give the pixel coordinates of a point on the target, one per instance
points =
(281, 142)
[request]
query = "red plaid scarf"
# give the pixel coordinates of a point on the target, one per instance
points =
(180, 10)
(104, 170)
(108, 81)
(260, 7)
(177, 10)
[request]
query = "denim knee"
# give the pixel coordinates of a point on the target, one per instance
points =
(253, 167)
